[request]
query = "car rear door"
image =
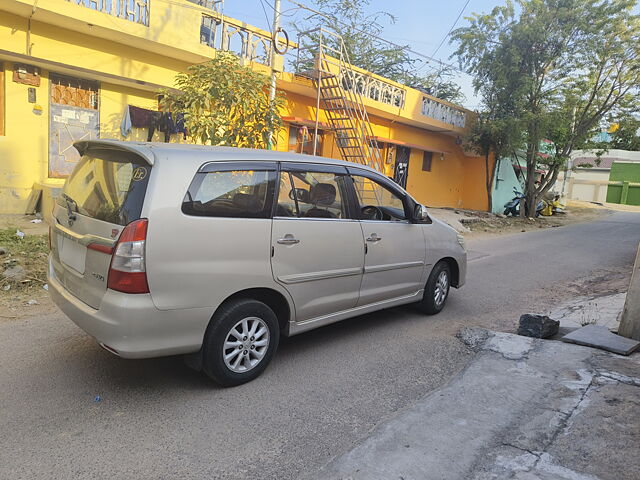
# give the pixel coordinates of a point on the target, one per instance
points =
(317, 248)
(395, 247)
(105, 192)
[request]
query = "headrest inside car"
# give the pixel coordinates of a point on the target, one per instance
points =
(323, 194)
(246, 202)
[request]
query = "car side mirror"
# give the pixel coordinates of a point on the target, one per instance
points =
(420, 214)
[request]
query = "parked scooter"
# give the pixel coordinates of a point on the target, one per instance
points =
(512, 207)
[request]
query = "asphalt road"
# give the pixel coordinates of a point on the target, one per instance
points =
(325, 390)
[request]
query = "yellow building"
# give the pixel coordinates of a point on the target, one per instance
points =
(69, 68)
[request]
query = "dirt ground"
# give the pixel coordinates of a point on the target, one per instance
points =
(28, 297)
(483, 223)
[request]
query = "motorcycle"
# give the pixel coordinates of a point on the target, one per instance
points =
(512, 207)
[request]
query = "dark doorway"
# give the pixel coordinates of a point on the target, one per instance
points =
(401, 169)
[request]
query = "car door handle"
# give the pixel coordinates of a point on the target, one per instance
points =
(288, 240)
(374, 238)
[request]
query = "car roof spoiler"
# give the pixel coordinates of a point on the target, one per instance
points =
(139, 149)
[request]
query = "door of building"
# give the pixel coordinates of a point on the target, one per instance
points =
(401, 169)
(73, 116)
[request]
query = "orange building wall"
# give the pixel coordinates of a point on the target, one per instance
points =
(455, 180)
(475, 190)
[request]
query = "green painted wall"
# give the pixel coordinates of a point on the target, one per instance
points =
(627, 194)
(504, 182)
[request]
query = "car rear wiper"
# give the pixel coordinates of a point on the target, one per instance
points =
(70, 203)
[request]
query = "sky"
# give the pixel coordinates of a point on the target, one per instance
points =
(420, 24)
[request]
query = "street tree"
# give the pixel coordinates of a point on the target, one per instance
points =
(358, 29)
(225, 103)
(491, 136)
(627, 134)
(555, 68)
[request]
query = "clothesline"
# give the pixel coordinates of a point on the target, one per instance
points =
(137, 117)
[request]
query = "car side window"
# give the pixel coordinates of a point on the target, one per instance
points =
(312, 195)
(236, 193)
(377, 202)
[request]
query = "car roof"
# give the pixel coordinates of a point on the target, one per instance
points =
(158, 151)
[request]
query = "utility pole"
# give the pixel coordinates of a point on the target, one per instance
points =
(630, 320)
(274, 73)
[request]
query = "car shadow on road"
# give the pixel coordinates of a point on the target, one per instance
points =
(85, 359)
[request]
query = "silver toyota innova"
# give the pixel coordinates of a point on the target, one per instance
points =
(164, 249)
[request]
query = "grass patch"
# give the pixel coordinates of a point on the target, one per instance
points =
(29, 252)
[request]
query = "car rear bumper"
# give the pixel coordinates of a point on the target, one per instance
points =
(131, 326)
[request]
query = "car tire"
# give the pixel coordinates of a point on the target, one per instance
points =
(436, 291)
(240, 341)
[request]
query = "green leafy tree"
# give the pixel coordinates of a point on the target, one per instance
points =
(491, 134)
(358, 29)
(225, 103)
(627, 135)
(555, 69)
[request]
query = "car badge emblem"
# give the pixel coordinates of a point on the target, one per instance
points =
(114, 232)
(140, 173)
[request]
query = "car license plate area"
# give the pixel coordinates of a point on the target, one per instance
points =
(72, 254)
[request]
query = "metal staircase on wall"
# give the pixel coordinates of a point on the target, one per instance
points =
(323, 58)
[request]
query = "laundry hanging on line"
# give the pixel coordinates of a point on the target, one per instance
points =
(137, 117)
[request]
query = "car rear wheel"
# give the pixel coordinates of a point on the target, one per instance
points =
(241, 340)
(437, 289)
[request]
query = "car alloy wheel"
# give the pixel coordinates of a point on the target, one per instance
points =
(246, 344)
(442, 288)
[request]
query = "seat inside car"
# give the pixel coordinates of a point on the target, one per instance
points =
(246, 202)
(321, 195)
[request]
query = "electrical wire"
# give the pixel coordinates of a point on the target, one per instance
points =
(464, 7)
(266, 17)
(451, 29)
(372, 35)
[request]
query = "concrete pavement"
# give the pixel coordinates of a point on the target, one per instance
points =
(325, 391)
(523, 409)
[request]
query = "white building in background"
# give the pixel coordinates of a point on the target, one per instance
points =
(589, 180)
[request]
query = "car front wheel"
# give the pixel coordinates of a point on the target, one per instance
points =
(437, 289)
(241, 340)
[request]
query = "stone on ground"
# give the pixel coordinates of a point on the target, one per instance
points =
(600, 337)
(15, 274)
(537, 326)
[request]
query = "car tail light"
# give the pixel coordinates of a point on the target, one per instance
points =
(127, 272)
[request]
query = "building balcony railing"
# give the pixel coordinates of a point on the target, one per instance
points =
(249, 45)
(136, 11)
(442, 112)
(374, 88)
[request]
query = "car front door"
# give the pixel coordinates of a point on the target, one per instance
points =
(318, 252)
(395, 247)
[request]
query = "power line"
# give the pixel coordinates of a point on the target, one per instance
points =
(445, 37)
(452, 27)
(372, 35)
(282, 13)
(266, 17)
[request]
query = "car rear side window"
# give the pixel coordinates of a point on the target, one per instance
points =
(107, 185)
(234, 193)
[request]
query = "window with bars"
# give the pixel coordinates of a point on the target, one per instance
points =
(74, 92)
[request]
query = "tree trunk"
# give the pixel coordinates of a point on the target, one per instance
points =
(489, 180)
(532, 152)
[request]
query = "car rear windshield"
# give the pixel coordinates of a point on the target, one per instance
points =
(107, 185)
